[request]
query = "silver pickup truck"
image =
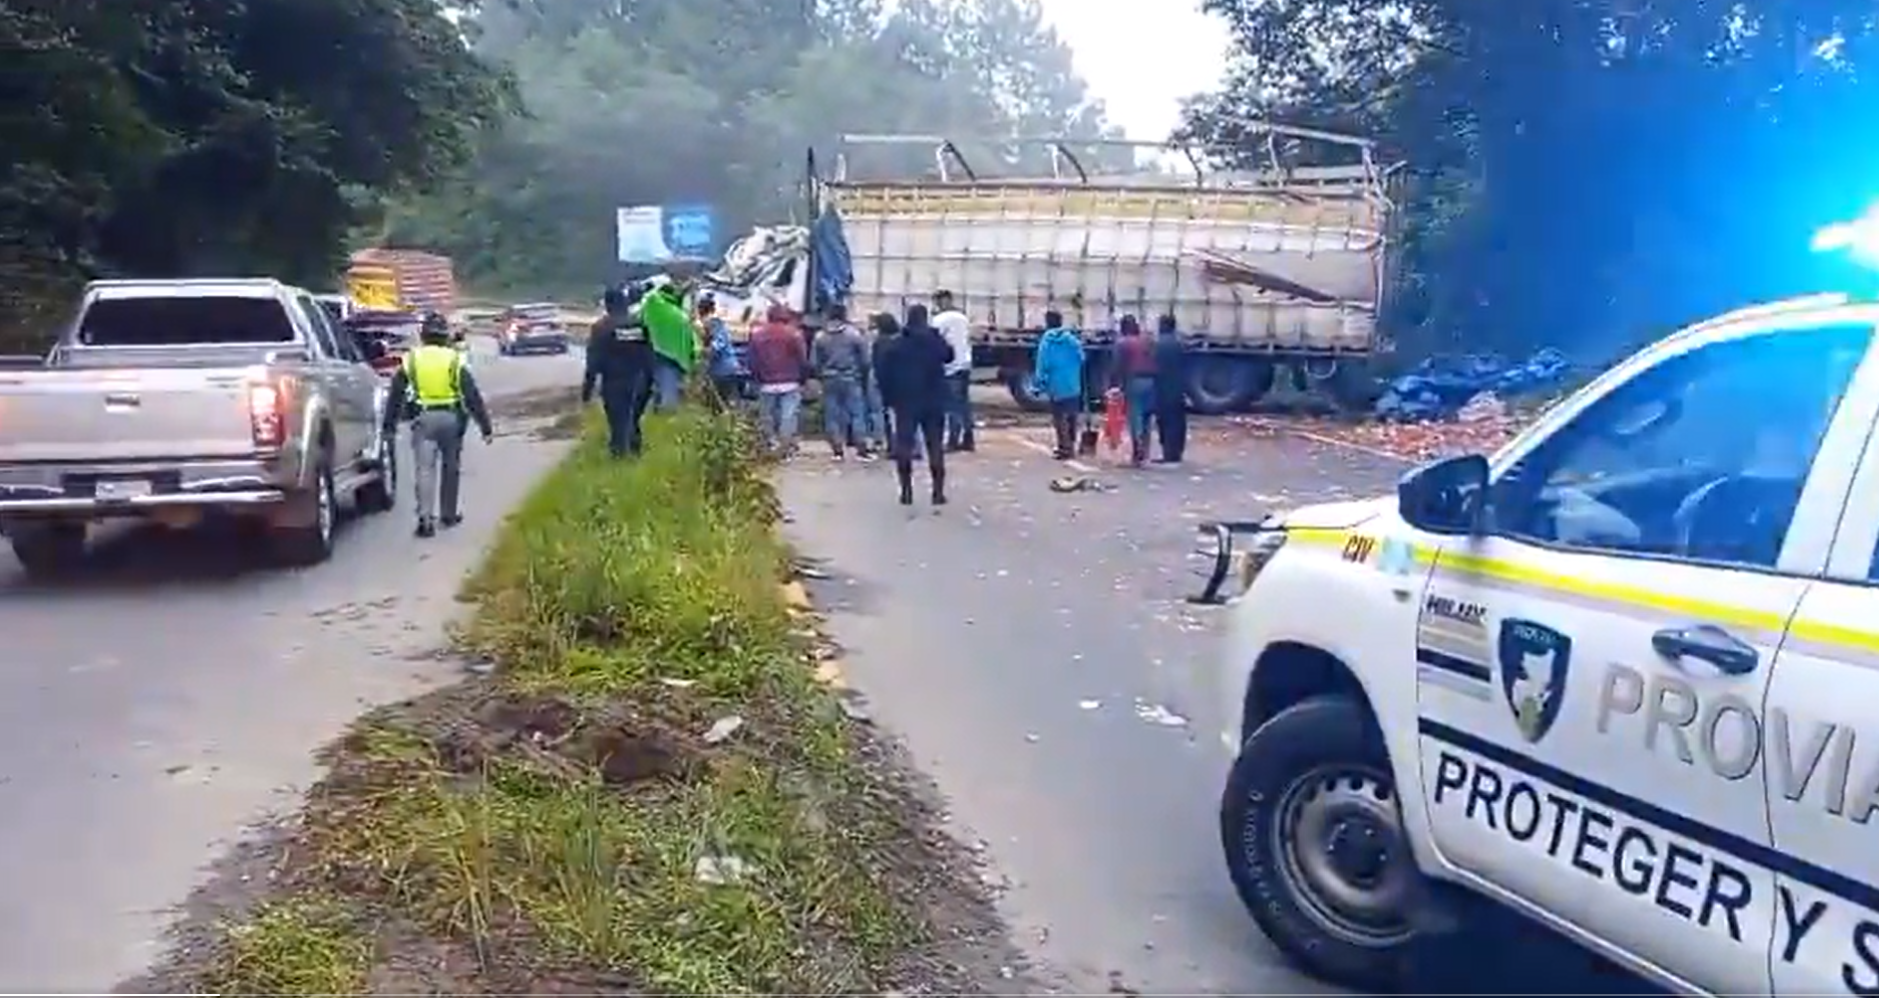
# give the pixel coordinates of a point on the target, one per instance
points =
(175, 400)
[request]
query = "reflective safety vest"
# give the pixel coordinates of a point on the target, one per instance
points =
(435, 374)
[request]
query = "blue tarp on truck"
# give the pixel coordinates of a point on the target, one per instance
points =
(835, 268)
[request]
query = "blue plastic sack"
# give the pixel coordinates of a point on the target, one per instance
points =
(1439, 386)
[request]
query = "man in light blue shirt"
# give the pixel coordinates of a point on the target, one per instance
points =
(1058, 376)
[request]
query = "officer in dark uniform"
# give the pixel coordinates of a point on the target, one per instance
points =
(619, 362)
(435, 390)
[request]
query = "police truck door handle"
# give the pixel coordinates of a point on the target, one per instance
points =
(1708, 643)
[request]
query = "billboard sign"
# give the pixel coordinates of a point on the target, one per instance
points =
(663, 233)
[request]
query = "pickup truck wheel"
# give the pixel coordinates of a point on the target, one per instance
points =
(311, 543)
(1315, 845)
(50, 550)
(380, 495)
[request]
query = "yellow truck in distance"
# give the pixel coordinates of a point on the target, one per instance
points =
(394, 280)
(373, 287)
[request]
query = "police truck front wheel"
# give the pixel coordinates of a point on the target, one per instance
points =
(1315, 845)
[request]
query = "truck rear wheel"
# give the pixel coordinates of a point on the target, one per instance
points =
(48, 550)
(1315, 844)
(1024, 393)
(1217, 385)
(1349, 384)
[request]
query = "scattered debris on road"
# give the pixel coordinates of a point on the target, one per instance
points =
(1155, 713)
(1079, 483)
(719, 871)
(1488, 429)
(722, 729)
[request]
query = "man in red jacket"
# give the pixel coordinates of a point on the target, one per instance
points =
(779, 362)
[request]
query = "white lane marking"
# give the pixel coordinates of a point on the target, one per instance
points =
(1319, 438)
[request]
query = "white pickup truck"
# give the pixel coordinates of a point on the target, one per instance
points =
(178, 399)
(1619, 677)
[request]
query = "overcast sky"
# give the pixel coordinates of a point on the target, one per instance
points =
(1141, 56)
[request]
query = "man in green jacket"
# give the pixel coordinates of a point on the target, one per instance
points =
(674, 343)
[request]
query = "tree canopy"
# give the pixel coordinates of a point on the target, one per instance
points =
(1580, 173)
(234, 136)
(632, 102)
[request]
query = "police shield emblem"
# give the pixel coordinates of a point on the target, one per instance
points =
(1395, 557)
(1533, 659)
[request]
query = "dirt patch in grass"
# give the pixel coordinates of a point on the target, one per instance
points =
(540, 403)
(565, 426)
(652, 793)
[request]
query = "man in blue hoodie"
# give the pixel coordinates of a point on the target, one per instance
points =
(1058, 377)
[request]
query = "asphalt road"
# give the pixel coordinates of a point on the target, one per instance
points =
(1034, 651)
(168, 698)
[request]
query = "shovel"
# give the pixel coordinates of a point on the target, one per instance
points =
(1086, 440)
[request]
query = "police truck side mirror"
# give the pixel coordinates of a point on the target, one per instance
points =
(1446, 496)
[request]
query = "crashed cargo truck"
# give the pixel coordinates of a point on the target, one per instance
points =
(1285, 266)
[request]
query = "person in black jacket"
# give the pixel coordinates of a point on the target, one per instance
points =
(619, 361)
(911, 370)
(1170, 394)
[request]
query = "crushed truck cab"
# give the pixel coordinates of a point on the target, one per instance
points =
(1613, 676)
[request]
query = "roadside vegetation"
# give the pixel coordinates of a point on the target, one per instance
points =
(1575, 171)
(651, 789)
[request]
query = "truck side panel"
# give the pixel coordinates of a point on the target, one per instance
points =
(1244, 270)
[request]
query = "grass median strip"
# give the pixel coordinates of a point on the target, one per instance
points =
(651, 791)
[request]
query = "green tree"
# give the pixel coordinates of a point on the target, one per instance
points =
(1582, 172)
(656, 101)
(221, 135)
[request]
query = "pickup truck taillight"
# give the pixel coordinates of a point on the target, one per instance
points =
(267, 415)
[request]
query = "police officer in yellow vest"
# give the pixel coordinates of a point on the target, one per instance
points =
(435, 390)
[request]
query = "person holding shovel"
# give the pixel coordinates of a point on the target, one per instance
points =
(1057, 375)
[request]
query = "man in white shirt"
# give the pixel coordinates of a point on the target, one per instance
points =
(952, 324)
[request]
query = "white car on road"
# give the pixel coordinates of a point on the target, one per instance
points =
(1620, 676)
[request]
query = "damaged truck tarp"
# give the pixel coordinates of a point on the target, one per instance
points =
(757, 265)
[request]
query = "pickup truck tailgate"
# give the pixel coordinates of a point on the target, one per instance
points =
(124, 415)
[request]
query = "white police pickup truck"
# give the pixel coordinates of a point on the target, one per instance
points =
(1622, 676)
